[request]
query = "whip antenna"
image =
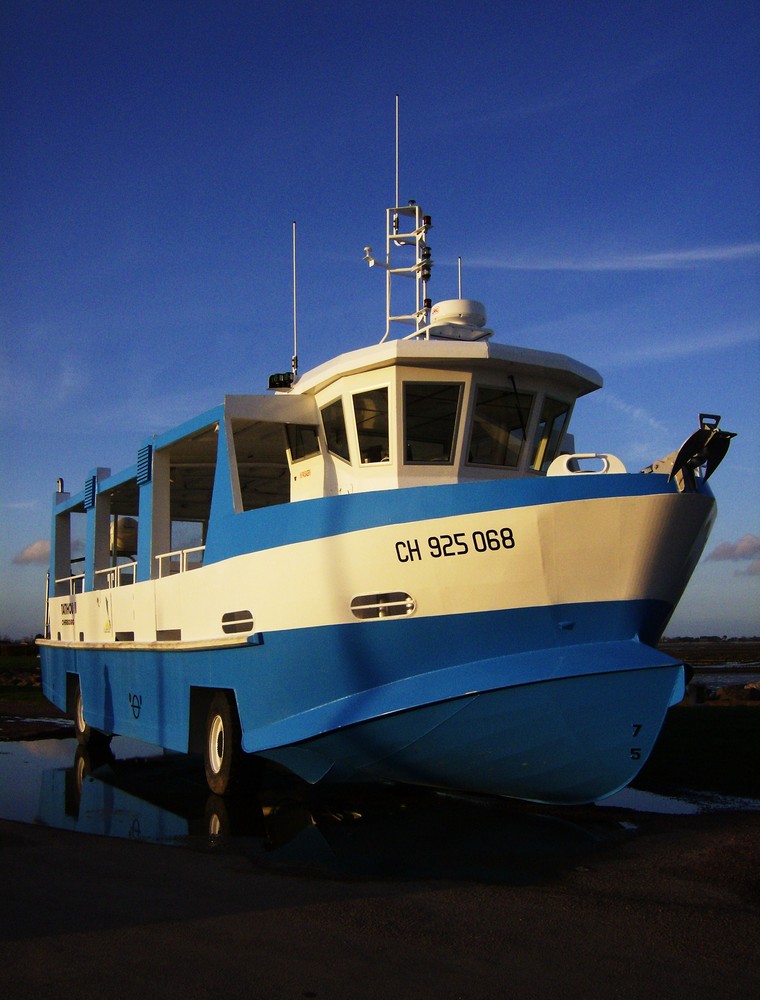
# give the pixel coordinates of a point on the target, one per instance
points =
(294, 360)
(284, 381)
(396, 201)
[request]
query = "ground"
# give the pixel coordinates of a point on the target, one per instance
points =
(670, 907)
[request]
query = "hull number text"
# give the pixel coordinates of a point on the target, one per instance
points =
(461, 543)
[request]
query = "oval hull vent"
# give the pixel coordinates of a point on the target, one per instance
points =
(237, 621)
(393, 605)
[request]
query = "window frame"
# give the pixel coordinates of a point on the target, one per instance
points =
(388, 458)
(291, 430)
(460, 386)
(338, 401)
(524, 426)
(539, 461)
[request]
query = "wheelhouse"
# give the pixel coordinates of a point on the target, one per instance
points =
(399, 414)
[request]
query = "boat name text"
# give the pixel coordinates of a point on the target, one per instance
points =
(459, 544)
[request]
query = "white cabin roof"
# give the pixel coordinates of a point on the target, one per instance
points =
(453, 354)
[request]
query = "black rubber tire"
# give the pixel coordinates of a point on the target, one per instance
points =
(223, 755)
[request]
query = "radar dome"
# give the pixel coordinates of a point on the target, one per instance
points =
(466, 312)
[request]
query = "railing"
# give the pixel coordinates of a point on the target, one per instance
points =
(180, 561)
(75, 585)
(116, 576)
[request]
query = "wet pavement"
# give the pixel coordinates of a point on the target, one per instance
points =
(122, 877)
(138, 792)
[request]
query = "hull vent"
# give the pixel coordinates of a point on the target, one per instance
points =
(237, 621)
(393, 605)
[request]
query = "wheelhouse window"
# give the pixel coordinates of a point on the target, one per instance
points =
(262, 463)
(371, 413)
(499, 424)
(430, 421)
(302, 441)
(334, 422)
(550, 433)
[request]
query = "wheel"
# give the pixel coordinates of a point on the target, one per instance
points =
(217, 817)
(82, 730)
(223, 757)
(86, 735)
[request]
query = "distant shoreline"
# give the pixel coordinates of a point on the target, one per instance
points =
(710, 652)
(697, 650)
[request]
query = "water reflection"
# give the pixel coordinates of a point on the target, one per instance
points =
(346, 831)
(138, 792)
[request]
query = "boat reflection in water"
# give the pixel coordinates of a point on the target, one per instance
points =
(367, 831)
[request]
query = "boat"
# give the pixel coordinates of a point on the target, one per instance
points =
(395, 567)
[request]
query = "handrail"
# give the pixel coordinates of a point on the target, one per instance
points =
(114, 574)
(47, 605)
(179, 557)
(75, 582)
(569, 465)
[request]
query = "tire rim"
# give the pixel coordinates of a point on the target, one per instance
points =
(80, 723)
(216, 744)
(80, 773)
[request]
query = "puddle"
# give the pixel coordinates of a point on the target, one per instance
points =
(139, 792)
(685, 804)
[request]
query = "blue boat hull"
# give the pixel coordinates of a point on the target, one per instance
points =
(553, 706)
(563, 741)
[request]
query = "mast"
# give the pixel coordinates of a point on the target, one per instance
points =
(407, 255)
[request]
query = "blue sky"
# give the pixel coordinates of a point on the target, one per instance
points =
(595, 165)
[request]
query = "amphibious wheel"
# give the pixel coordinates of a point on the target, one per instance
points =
(223, 756)
(82, 730)
(85, 734)
(217, 817)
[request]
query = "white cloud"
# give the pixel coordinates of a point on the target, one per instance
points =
(37, 552)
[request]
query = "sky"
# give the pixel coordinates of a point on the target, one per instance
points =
(596, 166)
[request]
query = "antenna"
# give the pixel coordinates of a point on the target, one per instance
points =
(459, 275)
(396, 201)
(294, 360)
(283, 381)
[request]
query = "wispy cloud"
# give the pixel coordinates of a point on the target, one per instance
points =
(594, 90)
(636, 413)
(662, 260)
(635, 350)
(641, 336)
